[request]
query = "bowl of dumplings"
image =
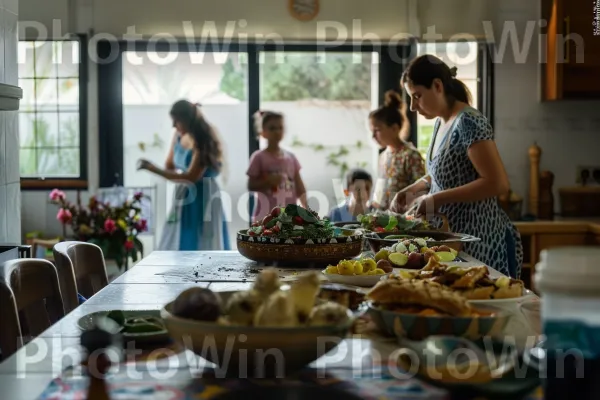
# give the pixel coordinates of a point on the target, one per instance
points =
(270, 329)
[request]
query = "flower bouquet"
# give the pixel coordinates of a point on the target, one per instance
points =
(114, 228)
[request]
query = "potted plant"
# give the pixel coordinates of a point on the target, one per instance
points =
(114, 228)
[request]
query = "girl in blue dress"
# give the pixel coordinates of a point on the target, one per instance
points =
(196, 220)
(465, 172)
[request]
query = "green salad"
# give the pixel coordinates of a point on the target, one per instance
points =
(387, 221)
(293, 222)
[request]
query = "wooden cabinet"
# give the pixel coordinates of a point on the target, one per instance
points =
(571, 62)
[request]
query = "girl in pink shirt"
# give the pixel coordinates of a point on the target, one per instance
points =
(274, 173)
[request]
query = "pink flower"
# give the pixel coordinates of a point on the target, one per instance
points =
(110, 226)
(129, 244)
(138, 195)
(57, 195)
(64, 216)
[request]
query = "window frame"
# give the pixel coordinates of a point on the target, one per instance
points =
(110, 91)
(69, 183)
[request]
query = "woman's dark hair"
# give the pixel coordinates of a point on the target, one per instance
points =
(205, 137)
(424, 69)
(262, 118)
(393, 111)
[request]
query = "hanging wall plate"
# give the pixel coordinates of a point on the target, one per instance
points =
(304, 10)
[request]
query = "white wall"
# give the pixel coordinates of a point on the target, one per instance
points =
(520, 118)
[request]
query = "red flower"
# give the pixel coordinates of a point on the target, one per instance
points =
(110, 226)
(64, 216)
(141, 225)
(129, 244)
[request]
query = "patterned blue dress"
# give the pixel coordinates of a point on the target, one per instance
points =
(196, 220)
(500, 246)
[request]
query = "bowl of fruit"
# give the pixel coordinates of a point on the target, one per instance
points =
(365, 272)
(293, 235)
(413, 253)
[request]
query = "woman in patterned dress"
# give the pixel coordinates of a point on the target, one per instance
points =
(465, 171)
(400, 164)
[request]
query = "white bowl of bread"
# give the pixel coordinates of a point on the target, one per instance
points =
(270, 329)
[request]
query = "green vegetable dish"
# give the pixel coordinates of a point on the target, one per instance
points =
(387, 221)
(137, 324)
(293, 222)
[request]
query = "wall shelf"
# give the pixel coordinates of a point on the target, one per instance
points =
(10, 97)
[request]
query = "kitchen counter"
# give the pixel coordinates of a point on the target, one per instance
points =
(541, 235)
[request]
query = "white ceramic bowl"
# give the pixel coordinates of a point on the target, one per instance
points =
(531, 312)
(355, 280)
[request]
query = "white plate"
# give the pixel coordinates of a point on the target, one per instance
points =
(88, 322)
(526, 293)
(356, 280)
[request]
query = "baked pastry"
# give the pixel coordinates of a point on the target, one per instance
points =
(347, 297)
(303, 293)
(267, 282)
(328, 313)
(277, 311)
(242, 306)
(419, 293)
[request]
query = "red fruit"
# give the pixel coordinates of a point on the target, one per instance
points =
(267, 232)
(276, 229)
(252, 233)
(379, 229)
(298, 220)
(266, 220)
(276, 211)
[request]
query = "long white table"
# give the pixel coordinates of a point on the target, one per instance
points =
(154, 281)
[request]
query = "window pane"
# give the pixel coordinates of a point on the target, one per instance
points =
(26, 60)
(69, 162)
(69, 129)
(26, 129)
(46, 129)
(27, 162)
(46, 92)
(68, 92)
(48, 162)
(326, 101)
(45, 66)
(28, 101)
(67, 58)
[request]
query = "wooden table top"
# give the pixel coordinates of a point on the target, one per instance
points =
(153, 282)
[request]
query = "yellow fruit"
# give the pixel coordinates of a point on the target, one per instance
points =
(346, 268)
(358, 268)
(372, 272)
(379, 271)
(424, 249)
(368, 264)
(331, 269)
(382, 255)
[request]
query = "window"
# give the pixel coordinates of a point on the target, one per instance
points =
(51, 118)
(462, 55)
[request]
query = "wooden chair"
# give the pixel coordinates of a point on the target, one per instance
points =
(89, 267)
(34, 283)
(66, 276)
(10, 334)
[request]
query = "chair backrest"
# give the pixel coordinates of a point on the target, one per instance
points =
(10, 334)
(66, 276)
(89, 266)
(34, 283)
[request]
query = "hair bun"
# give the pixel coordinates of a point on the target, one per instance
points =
(393, 100)
(453, 72)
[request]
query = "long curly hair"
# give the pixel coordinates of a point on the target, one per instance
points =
(205, 136)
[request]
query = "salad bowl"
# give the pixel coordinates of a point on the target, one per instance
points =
(295, 236)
